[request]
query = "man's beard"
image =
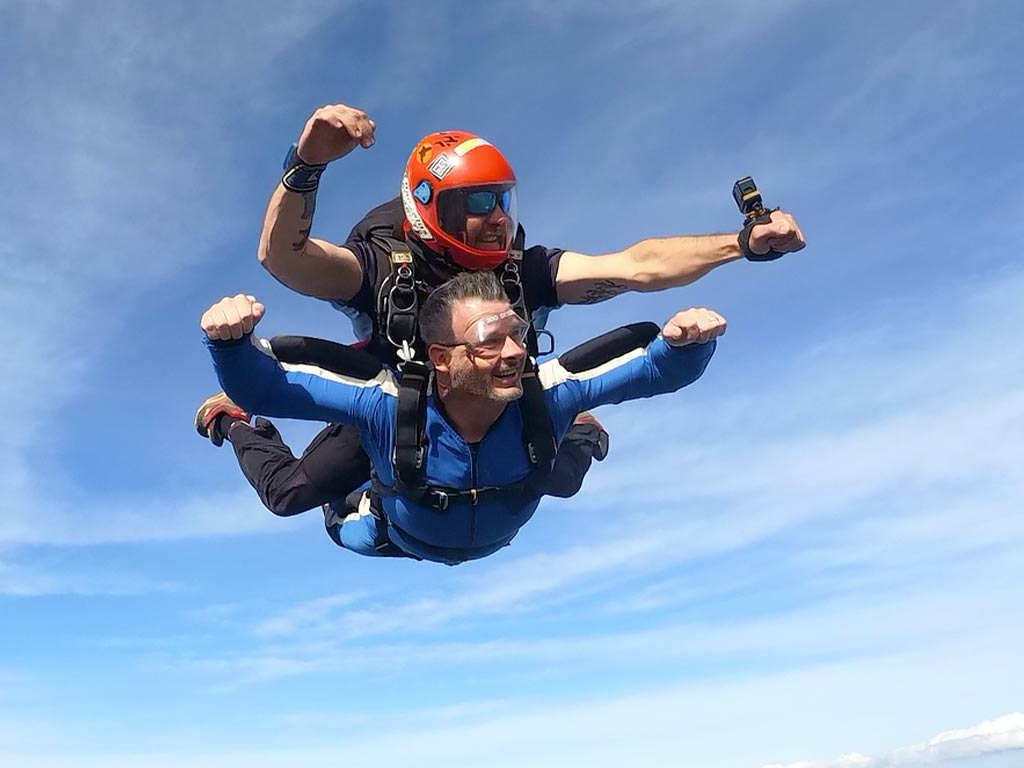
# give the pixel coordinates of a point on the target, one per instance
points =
(474, 382)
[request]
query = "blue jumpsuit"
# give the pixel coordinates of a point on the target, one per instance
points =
(259, 383)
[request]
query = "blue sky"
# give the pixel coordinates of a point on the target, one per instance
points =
(811, 558)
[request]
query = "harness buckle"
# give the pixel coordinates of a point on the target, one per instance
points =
(441, 500)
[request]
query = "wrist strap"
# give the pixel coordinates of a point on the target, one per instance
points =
(743, 239)
(300, 176)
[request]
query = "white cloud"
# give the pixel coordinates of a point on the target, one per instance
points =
(1003, 734)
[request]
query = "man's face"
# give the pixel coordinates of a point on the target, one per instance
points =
(489, 358)
(488, 231)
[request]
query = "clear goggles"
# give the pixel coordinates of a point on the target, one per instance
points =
(486, 336)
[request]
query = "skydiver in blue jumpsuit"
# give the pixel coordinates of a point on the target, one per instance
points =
(474, 422)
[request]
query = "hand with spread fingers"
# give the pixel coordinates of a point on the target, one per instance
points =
(693, 326)
(332, 132)
(232, 317)
(781, 234)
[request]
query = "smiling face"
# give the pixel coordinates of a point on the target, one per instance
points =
(487, 356)
(489, 231)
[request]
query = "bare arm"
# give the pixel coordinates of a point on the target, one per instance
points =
(305, 264)
(309, 265)
(650, 265)
(659, 263)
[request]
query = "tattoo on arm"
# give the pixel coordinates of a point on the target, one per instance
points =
(308, 206)
(602, 290)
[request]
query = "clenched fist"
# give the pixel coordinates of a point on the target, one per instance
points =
(693, 326)
(332, 132)
(781, 235)
(232, 317)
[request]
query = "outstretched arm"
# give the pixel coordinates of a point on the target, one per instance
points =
(309, 265)
(252, 377)
(670, 362)
(659, 263)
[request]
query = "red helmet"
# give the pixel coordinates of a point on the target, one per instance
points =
(459, 195)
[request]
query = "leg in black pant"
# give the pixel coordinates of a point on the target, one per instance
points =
(331, 467)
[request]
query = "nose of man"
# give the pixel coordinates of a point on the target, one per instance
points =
(497, 215)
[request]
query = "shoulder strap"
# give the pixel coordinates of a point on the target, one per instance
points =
(410, 427)
(396, 327)
(538, 433)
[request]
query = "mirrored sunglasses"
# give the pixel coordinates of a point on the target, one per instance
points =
(480, 202)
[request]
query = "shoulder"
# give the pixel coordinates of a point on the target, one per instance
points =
(386, 217)
(540, 269)
(367, 258)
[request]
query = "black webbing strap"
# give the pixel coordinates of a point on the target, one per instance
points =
(401, 304)
(538, 433)
(440, 498)
(765, 217)
(381, 540)
(410, 423)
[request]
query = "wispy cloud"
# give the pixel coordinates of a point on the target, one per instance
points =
(109, 211)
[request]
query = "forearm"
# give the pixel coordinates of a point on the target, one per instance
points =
(669, 262)
(307, 265)
(650, 265)
(286, 227)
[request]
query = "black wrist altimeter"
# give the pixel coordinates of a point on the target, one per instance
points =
(300, 176)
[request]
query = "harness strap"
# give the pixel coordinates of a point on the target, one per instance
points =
(411, 422)
(401, 302)
(440, 497)
(538, 433)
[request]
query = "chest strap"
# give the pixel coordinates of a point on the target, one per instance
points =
(441, 497)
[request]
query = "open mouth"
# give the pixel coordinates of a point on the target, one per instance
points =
(491, 241)
(507, 378)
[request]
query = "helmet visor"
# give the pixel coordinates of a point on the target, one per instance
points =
(484, 217)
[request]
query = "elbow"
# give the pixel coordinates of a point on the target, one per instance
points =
(265, 256)
(273, 256)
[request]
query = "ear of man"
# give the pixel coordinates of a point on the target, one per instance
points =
(439, 357)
